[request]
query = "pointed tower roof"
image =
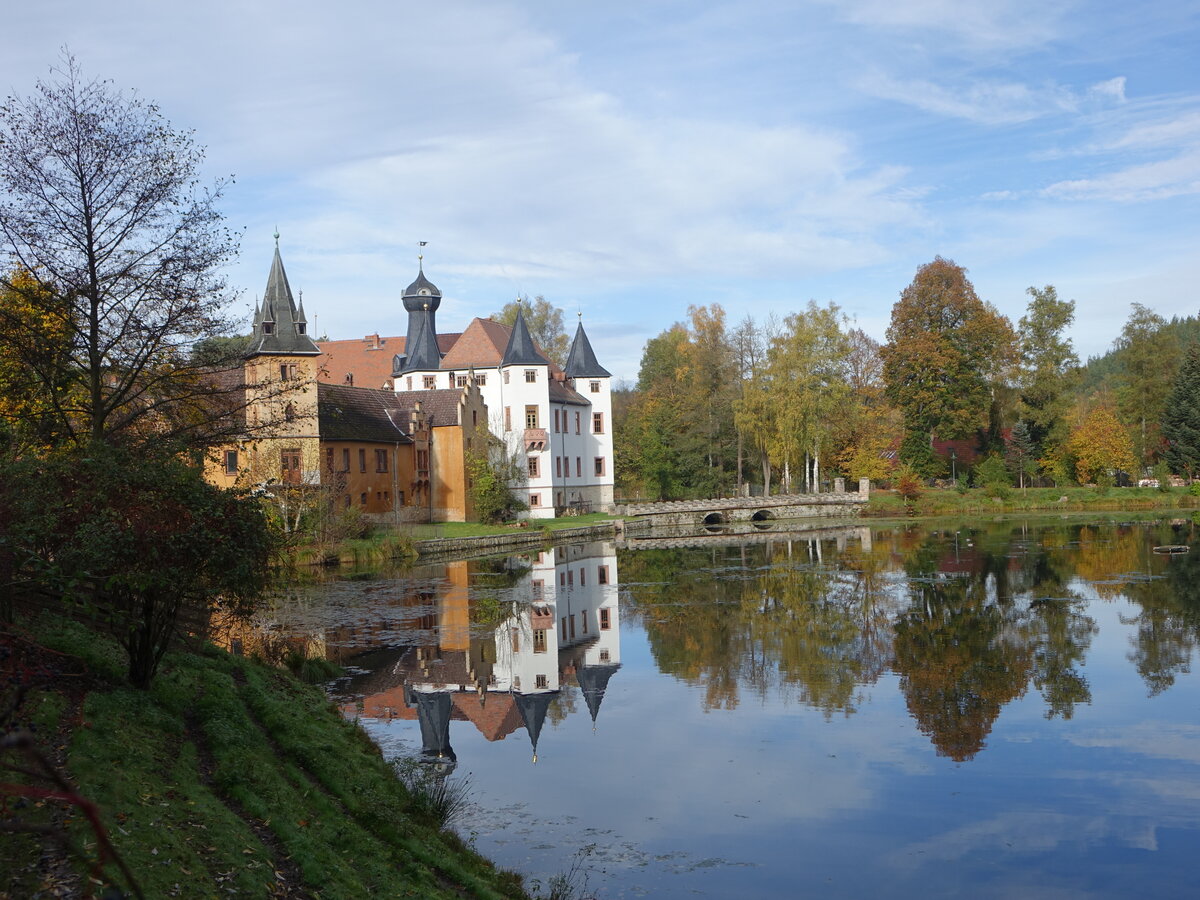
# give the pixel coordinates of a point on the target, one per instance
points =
(279, 326)
(581, 362)
(532, 708)
(521, 350)
(433, 712)
(421, 353)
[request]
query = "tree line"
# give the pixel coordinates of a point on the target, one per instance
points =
(784, 404)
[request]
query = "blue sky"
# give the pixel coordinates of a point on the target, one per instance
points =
(628, 159)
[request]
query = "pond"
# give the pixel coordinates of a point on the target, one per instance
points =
(1004, 709)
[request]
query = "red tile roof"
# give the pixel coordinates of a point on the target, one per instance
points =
(367, 360)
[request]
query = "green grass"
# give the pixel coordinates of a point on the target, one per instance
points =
(228, 777)
(475, 529)
(976, 501)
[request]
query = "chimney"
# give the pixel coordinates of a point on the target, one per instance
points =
(374, 341)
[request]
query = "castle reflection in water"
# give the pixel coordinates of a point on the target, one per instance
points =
(492, 642)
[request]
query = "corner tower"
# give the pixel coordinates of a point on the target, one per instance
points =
(281, 387)
(593, 383)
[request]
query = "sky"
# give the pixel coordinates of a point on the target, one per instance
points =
(627, 160)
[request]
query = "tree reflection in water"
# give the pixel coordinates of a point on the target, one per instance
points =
(969, 618)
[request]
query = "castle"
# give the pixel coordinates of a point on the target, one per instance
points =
(392, 433)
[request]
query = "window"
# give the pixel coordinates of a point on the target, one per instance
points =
(268, 327)
(329, 459)
(362, 499)
(300, 325)
(399, 498)
(481, 380)
(460, 381)
(345, 460)
(541, 681)
(533, 467)
(231, 462)
(381, 461)
(597, 423)
(516, 640)
(562, 579)
(571, 622)
(577, 423)
(530, 376)
(604, 656)
(582, 577)
(539, 640)
(558, 467)
(605, 621)
(579, 467)
(531, 417)
(599, 465)
(429, 381)
(539, 587)
(409, 380)
(289, 466)
(535, 499)
(347, 501)
(602, 574)
(562, 624)
(362, 460)
(474, 417)
(289, 412)
(556, 421)
(506, 376)
(508, 418)
(423, 460)
(583, 617)
(595, 387)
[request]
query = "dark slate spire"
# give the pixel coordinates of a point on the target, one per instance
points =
(532, 708)
(421, 349)
(581, 362)
(279, 327)
(521, 351)
(421, 299)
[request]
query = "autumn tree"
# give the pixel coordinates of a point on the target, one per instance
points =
(1181, 419)
(107, 231)
(1049, 367)
(865, 433)
(947, 351)
(1100, 444)
(545, 322)
(1149, 355)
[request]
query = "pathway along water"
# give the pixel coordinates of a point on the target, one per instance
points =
(896, 711)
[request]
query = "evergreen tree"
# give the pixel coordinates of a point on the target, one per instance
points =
(1181, 419)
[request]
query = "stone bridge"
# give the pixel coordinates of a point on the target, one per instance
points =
(727, 537)
(724, 511)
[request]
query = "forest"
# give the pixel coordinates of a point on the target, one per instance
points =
(957, 393)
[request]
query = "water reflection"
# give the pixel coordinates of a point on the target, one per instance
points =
(893, 707)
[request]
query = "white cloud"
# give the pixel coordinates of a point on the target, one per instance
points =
(1159, 180)
(987, 24)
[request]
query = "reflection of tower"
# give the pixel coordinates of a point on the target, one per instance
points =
(533, 713)
(593, 682)
(433, 711)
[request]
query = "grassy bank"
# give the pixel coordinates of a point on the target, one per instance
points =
(977, 501)
(226, 778)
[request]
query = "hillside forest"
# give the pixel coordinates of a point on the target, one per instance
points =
(957, 393)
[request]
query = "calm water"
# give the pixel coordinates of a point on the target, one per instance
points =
(998, 710)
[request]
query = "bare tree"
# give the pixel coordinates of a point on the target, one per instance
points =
(109, 234)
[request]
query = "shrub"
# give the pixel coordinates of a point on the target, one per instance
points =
(908, 484)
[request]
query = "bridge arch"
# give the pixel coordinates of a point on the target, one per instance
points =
(715, 518)
(763, 518)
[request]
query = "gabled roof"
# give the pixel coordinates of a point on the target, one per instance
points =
(441, 406)
(368, 361)
(521, 350)
(561, 393)
(581, 362)
(279, 326)
(481, 344)
(362, 414)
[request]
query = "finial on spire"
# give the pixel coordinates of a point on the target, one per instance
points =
(276, 236)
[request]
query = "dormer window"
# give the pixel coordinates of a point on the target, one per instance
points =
(268, 327)
(299, 328)
(424, 292)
